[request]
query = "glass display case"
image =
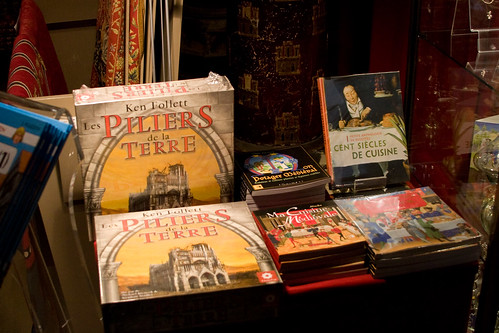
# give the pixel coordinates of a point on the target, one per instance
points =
(454, 83)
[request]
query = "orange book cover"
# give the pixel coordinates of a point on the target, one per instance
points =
(189, 259)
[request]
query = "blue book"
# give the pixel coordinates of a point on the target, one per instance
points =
(30, 144)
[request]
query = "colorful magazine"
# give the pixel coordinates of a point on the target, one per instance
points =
(408, 222)
(483, 172)
(29, 147)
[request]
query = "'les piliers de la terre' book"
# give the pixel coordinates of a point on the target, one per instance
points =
(189, 259)
(156, 146)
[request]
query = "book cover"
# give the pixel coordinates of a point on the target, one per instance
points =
(364, 130)
(407, 223)
(479, 194)
(210, 252)
(319, 230)
(278, 170)
(155, 146)
(484, 147)
(29, 147)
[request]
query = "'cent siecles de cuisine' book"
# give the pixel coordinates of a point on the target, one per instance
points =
(364, 130)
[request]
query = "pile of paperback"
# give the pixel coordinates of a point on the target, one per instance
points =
(411, 230)
(280, 177)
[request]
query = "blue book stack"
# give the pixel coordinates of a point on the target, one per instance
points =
(30, 145)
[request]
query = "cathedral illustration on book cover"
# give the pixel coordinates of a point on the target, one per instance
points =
(214, 250)
(156, 146)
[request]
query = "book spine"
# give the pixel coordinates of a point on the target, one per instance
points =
(325, 126)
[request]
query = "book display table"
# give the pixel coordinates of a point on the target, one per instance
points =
(431, 301)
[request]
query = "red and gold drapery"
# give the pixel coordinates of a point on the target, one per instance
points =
(119, 43)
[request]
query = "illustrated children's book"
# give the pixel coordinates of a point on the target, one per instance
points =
(169, 267)
(364, 130)
(29, 147)
(279, 177)
(158, 145)
(315, 236)
(411, 230)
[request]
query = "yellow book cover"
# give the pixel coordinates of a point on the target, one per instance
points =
(155, 146)
(189, 259)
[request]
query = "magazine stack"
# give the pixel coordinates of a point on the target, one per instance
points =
(411, 230)
(30, 145)
(279, 177)
(312, 242)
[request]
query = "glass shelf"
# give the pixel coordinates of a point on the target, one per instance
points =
(455, 81)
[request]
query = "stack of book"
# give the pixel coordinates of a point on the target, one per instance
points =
(278, 177)
(411, 230)
(184, 267)
(312, 242)
(29, 147)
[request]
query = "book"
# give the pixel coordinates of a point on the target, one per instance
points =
(364, 130)
(30, 144)
(158, 145)
(311, 238)
(479, 194)
(277, 177)
(411, 230)
(173, 267)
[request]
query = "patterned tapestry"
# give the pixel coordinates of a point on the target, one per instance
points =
(119, 43)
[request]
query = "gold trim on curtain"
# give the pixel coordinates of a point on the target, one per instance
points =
(134, 42)
(114, 35)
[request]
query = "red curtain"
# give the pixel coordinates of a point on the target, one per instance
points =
(34, 67)
(119, 43)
